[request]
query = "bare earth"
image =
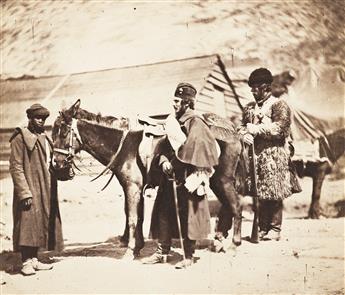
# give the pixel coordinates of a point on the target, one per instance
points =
(308, 260)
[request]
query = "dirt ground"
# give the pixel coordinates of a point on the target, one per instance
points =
(308, 260)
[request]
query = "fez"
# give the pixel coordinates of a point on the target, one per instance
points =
(37, 110)
(185, 91)
(260, 76)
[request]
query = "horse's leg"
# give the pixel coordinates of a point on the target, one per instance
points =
(125, 236)
(139, 237)
(318, 178)
(132, 194)
(238, 221)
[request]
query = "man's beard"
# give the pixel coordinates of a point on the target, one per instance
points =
(262, 98)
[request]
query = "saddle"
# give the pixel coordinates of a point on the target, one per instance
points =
(152, 126)
(153, 129)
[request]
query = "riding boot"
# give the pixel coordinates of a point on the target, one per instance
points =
(160, 256)
(264, 217)
(275, 220)
(189, 248)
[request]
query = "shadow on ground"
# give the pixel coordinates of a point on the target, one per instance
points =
(10, 262)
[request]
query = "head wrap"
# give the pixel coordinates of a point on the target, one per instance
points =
(37, 110)
(260, 76)
(185, 91)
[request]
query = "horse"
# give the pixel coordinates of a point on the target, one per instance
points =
(117, 148)
(331, 146)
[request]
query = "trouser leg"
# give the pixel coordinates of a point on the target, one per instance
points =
(28, 252)
(164, 235)
(276, 215)
(189, 247)
(264, 215)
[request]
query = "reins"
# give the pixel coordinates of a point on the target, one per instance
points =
(112, 160)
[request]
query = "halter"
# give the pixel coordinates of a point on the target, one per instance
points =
(70, 152)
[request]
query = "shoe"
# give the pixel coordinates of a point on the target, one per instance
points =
(262, 234)
(37, 265)
(272, 235)
(28, 269)
(184, 263)
(155, 258)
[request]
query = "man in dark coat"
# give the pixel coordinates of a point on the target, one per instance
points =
(187, 155)
(36, 216)
(266, 122)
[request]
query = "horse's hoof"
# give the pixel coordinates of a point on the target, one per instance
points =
(129, 255)
(237, 242)
(218, 246)
(136, 253)
(231, 250)
(313, 215)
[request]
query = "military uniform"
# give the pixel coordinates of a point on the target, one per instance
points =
(197, 152)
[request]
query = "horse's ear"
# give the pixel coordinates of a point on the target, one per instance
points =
(75, 107)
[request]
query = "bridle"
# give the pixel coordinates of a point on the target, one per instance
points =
(73, 134)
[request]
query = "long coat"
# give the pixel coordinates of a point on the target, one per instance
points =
(199, 150)
(40, 226)
(271, 147)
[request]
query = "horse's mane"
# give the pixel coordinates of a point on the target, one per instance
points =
(105, 121)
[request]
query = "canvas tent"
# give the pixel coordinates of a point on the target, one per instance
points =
(127, 92)
(316, 97)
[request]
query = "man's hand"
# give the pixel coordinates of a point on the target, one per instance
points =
(253, 129)
(167, 168)
(248, 139)
(26, 204)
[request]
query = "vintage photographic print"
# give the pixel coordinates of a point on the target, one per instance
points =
(172, 147)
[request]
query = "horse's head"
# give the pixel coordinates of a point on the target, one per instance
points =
(67, 142)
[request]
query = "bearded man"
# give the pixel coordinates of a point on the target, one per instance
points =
(266, 123)
(187, 155)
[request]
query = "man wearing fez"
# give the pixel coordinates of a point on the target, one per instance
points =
(266, 123)
(36, 215)
(187, 155)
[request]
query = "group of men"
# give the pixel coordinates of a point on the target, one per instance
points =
(186, 159)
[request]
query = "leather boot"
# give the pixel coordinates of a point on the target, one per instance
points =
(160, 256)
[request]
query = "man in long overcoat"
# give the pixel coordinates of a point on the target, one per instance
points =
(36, 216)
(266, 122)
(188, 154)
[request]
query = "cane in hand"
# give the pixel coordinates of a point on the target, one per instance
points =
(173, 180)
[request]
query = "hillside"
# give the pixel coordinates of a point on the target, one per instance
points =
(58, 37)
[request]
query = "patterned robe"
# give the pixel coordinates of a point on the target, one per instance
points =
(273, 119)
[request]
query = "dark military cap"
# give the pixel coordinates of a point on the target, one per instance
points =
(37, 110)
(185, 90)
(260, 76)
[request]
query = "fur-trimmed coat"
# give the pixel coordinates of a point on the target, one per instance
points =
(273, 121)
(40, 226)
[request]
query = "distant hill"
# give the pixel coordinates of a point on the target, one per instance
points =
(59, 37)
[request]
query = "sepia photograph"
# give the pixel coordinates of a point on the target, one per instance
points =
(172, 147)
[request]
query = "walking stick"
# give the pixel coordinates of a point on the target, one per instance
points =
(255, 229)
(173, 180)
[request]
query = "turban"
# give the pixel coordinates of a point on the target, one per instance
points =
(260, 76)
(37, 110)
(185, 91)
